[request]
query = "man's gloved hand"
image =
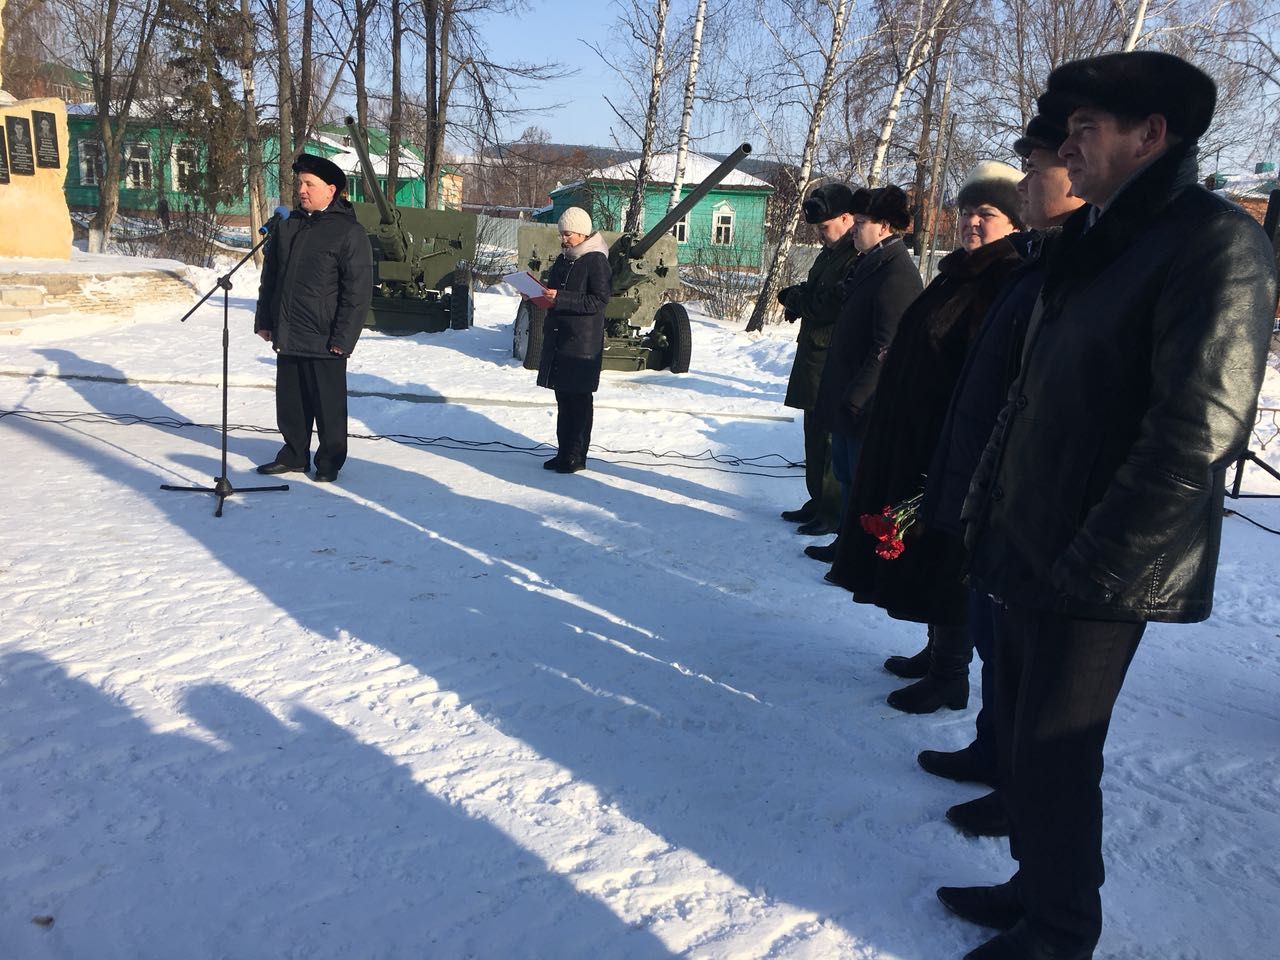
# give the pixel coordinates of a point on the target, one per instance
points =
(784, 293)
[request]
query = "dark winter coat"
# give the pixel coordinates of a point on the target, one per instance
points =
(573, 330)
(924, 362)
(817, 303)
(980, 392)
(1100, 493)
(317, 282)
(881, 285)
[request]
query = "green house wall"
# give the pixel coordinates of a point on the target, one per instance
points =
(608, 201)
(409, 192)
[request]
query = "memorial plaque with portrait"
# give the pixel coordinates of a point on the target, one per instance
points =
(4, 158)
(22, 159)
(46, 136)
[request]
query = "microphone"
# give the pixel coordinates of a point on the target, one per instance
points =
(281, 213)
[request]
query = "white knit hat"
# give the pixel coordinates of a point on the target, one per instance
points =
(576, 220)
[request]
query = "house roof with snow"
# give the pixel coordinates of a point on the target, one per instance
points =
(662, 169)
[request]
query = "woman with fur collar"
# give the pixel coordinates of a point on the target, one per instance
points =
(579, 285)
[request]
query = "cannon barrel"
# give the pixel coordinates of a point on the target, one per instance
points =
(366, 165)
(641, 246)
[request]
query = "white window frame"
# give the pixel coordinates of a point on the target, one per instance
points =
(91, 168)
(177, 180)
(680, 229)
(131, 181)
(723, 221)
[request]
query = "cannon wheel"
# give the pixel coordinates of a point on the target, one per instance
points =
(671, 326)
(526, 335)
(460, 306)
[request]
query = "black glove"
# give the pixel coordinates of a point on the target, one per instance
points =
(783, 294)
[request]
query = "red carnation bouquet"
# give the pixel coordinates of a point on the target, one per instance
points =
(890, 526)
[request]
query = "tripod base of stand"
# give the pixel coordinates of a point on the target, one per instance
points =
(222, 489)
(1250, 457)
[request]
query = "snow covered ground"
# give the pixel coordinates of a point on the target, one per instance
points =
(455, 706)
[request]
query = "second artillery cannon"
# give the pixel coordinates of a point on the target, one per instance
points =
(642, 330)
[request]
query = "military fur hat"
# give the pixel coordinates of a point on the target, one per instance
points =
(889, 205)
(1043, 133)
(1134, 84)
(827, 202)
(995, 183)
(325, 169)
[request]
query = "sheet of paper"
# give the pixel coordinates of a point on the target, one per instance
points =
(526, 283)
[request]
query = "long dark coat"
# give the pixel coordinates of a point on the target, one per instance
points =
(817, 302)
(317, 282)
(880, 286)
(573, 330)
(1100, 493)
(979, 396)
(923, 584)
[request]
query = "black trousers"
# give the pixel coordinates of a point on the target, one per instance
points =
(824, 490)
(312, 391)
(1057, 681)
(574, 415)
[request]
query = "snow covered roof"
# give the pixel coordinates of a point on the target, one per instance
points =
(662, 169)
(348, 160)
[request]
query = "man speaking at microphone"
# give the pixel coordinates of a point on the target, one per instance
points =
(317, 281)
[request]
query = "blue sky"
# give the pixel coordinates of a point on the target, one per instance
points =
(555, 31)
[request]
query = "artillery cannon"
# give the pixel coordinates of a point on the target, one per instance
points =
(422, 259)
(644, 269)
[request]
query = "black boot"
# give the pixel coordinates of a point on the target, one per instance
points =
(552, 464)
(962, 766)
(827, 554)
(947, 684)
(803, 515)
(998, 907)
(910, 668)
(984, 817)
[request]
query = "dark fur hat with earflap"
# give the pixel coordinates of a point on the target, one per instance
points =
(827, 202)
(889, 205)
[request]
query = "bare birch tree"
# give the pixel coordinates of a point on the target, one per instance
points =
(822, 31)
(686, 113)
(650, 31)
(920, 35)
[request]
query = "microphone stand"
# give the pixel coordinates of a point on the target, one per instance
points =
(222, 487)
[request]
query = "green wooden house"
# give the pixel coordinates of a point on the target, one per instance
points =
(161, 161)
(725, 229)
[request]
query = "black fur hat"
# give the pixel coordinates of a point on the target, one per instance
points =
(827, 202)
(1043, 133)
(889, 205)
(1134, 84)
(325, 169)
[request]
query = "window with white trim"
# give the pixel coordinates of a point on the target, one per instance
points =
(186, 170)
(138, 170)
(722, 221)
(90, 152)
(681, 229)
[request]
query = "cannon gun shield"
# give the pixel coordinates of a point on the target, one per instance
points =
(422, 258)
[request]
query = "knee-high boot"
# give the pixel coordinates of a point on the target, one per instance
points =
(947, 683)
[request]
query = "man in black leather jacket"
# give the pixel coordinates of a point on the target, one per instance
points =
(317, 282)
(1097, 506)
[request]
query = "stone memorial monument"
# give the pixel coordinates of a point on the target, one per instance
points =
(34, 221)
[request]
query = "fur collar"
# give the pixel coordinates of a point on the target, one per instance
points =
(593, 244)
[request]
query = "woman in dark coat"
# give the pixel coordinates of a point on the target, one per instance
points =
(923, 583)
(579, 285)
